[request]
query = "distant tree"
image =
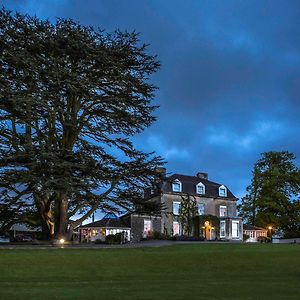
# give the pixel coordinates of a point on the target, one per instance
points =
(248, 207)
(273, 196)
(71, 97)
(187, 212)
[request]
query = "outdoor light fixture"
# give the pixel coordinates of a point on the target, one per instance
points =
(62, 241)
(270, 229)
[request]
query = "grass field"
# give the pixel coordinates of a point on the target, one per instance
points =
(202, 271)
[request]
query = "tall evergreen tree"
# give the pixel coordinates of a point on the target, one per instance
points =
(273, 196)
(71, 97)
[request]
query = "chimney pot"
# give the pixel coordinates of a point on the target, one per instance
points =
(202, 175)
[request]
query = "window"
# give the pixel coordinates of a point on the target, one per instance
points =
(235, 229)
(222, 191)
(223, 211)
(222, 229)
(147, 227)
(176, 186)
(176, 228)
(200, 188)
(200, 209)
(176, 207)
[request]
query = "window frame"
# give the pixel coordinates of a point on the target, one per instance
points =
(203, 188)
(222, 187)
(146, 233)
(173, 205)
(177, 182)
(203, 205)
(178, 224)
(238, 229)
(223, 222)
(226, 211)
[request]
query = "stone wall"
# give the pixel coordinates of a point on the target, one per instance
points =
(211, 207)
(137, 226)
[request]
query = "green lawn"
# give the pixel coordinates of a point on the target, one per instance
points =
(202, 271)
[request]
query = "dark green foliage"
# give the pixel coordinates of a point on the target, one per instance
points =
(273, 196)
(156, 235)
(245, 237)
(264, 239)
(199, 223)
(113, 238)
(187, 212)
(71, 97)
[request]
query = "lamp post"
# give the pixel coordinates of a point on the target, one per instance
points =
(270, 229)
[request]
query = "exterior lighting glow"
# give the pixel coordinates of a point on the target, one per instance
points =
(61, 241)
(270, 227)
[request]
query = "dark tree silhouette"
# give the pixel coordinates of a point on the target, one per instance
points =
(71, 97)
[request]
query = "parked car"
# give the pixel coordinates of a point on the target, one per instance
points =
(4, 239)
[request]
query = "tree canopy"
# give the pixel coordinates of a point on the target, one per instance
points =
(71, 98)
(272, 199)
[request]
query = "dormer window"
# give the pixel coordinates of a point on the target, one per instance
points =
(176, 186)
(200, 188)
(222, 191)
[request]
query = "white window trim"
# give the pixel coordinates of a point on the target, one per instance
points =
(176, 181)
(222, 187)
(177, 202)
(238, 227)
(178, 224)
(200, 184)
(203, 208)
(223, 222)
(223, 206)
(149, 221)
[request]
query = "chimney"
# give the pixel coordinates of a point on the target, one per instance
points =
(202, 175)
(161, 172)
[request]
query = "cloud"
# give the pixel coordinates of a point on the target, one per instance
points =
(260, 131)
(229, 83)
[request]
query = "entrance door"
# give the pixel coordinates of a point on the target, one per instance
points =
(209, 231)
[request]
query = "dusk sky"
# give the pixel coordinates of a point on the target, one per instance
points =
(229, 82)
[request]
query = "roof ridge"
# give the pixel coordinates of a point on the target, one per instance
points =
(193, 176)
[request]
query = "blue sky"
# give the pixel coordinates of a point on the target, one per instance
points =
(229, 83)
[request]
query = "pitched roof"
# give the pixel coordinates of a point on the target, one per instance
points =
(189, 186)
(106, 223)
(251, 227)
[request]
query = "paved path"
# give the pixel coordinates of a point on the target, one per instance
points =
(154, 243)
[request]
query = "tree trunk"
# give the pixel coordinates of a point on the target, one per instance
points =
(61, 218)
(46, 216)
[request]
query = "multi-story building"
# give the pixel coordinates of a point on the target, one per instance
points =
(212, 199)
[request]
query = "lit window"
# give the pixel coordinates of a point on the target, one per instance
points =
(200, 209)
(176, 228)
(176, 207)
(176, 186)
(200, 188)
(235, 229)
(222, 229)
(223, 211)
(222, 191)
(147, 227)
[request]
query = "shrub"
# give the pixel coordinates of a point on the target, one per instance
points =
(189, 238)
(113, 238)
(245, 237)
(263, 239)
(98, 241)
(156, 235)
